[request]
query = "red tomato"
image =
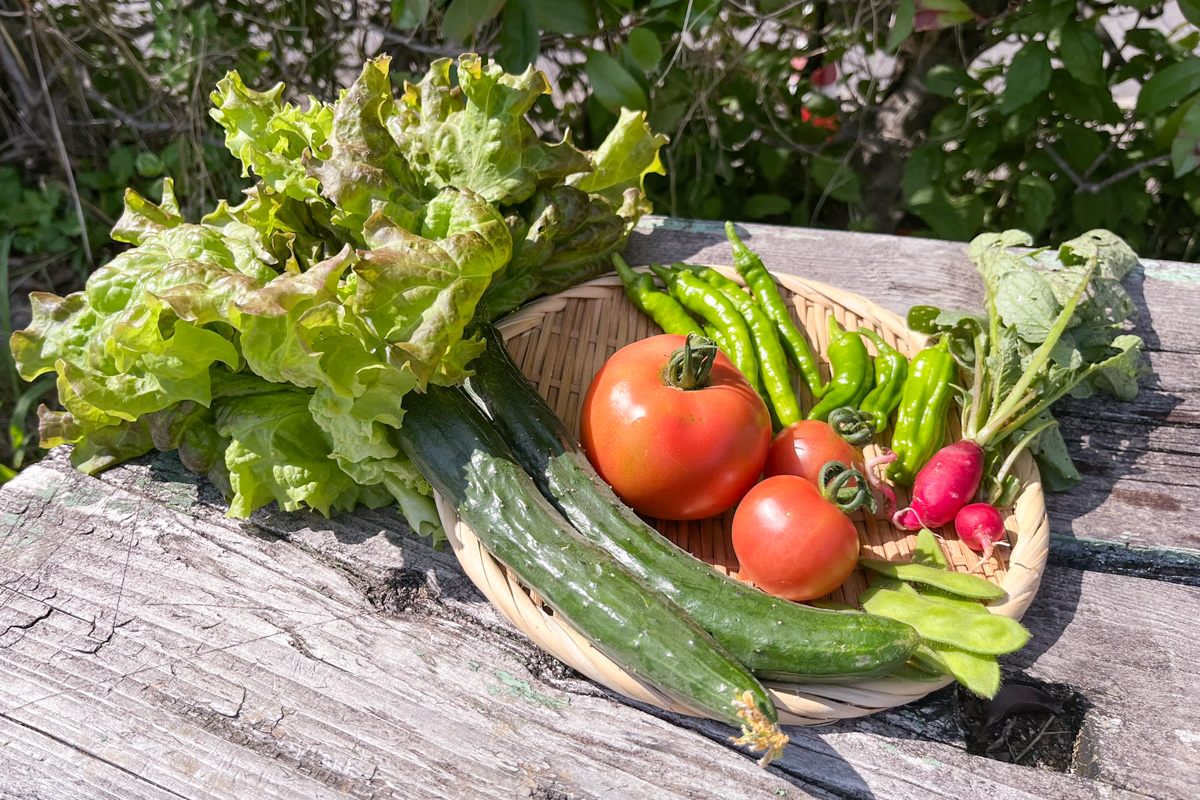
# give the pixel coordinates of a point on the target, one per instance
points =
(792, 542)
(803, 447)
(672, 453)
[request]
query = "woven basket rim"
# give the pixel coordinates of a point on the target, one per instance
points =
(806, 704)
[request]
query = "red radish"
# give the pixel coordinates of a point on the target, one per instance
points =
(943, 486)
(980, 527)
(885, 491)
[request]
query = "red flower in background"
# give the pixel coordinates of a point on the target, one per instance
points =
(825, 76)
(936, 15)
(828, 123)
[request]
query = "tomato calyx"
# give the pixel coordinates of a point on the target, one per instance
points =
(852, 425)
(835, 485)
(689, 367)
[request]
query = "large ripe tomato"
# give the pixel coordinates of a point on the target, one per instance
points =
(792, 542)
(668, 452)
(803, 447)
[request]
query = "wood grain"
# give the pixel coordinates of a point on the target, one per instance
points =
(292, 656)
(1140, 461)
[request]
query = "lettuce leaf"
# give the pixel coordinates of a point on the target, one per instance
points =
(626, 156)
(191, 429)
(420, 291)
(102, 447)
(287, 234)
(366, 172)
(134, 341)
(476, 136)
(271, 137)
(277, 452)
(273, 343)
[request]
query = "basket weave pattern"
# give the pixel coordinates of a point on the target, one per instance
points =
(562, 341)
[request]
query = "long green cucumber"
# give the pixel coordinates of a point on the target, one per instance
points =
(775, 638)
(462, 456)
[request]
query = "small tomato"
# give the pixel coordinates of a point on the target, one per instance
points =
(803, 447)
(792, 542)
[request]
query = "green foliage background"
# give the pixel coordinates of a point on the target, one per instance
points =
(938, 118)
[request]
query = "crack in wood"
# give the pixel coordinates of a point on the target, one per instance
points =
(1168, 566)
(89, 754)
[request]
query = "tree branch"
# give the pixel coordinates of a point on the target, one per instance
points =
(1094, 187)
(893, 128)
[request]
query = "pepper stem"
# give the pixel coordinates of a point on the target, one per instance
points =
(834, 482)
(690, 366)
(852, 425)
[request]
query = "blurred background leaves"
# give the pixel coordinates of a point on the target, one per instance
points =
(937, 118)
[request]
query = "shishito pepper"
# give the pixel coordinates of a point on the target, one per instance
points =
(851, 366)
(891, 372)
(772, 361)
(659, 306)
(752, 270)
(708, 303)
(921, 419)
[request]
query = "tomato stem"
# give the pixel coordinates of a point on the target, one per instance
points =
(852, 425)
(834, 483)
(690, 366)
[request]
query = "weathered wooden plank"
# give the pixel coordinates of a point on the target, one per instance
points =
(34, 766)
(1140, 461)
(238, 665)
(1129, 646)
(252, 659)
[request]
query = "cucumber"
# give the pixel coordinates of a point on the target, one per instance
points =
(462, 456)
(774, 638)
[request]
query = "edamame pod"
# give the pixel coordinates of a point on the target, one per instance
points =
(987, 634)
(928, 552)
(958, 583)
(979, 673)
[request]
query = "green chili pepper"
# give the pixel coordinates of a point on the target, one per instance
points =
(665, 310)
(714, 308)
(772, 361)
(921, 418)
(891, 370)
(851, 371)
(751, 268)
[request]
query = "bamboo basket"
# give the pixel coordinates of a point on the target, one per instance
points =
(561, 342)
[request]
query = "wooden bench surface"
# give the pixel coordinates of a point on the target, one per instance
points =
(152, 648)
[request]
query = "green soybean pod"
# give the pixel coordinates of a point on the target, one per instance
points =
(891, 584)
(933, 595)
(954, 582)
(979, 673)
(911, 671)
(952, 600)
(928, 552)
(928, 659)
(988, 634)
